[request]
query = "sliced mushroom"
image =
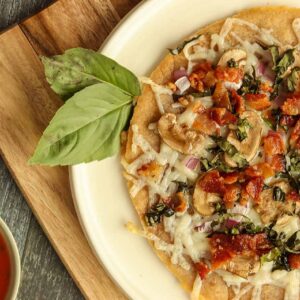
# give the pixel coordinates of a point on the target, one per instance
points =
(204, 202)
(268, 208)
(238, 55)
(180, 137)
(243, 266)
(249, 146)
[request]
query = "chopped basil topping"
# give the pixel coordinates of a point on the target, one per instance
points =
(283, 64)
(216, 163)
(268, 122)
(154, 215)
(232, 63)
(242, 127)
(177, 50)
(293, 243)
(201, 94)
(283, 247)
(275, 55)
(225, 146)
(271, 256)
(250, 85)
(220, 208)
(292, 172)
(280, 67)
(183, 186)
(278, 194)
(292, 79)
(227, 224)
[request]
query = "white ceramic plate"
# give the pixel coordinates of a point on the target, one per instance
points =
(99, 191)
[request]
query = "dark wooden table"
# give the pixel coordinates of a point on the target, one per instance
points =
(43, 274)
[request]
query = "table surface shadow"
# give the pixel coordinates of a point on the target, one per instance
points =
(43, 275)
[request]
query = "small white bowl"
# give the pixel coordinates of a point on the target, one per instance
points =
(14, 260)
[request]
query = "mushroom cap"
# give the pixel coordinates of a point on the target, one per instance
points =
(249, 146)
(203, 201)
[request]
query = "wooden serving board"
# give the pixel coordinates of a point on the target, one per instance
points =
(26, 106)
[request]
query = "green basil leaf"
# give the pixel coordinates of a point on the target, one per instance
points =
(225, 145)
(278, 194)
(250, 84)
(240, 160)
(275, 55)
(293, 243)
(232, 63)
(86, 128)
(242, 126)
(78, 68)
(271, 256)
(292, 79)
(287, 60)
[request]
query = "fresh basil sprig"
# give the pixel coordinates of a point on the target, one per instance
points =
(78, 68)
(88, 126)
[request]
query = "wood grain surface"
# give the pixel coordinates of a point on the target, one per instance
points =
(43, 274)
(26, 106)
(13, 11)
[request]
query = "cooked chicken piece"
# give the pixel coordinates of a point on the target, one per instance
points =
(243, 266)
(268, 208)
(214, 287)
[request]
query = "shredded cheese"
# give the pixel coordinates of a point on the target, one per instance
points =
(196, 288)
(158, 90)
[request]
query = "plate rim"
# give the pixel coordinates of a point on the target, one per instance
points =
(128, 18)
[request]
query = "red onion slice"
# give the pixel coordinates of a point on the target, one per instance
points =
(183, 84)
(230, 223)
(204, 227)
(179, 73)
(191, 162)
(261, 68)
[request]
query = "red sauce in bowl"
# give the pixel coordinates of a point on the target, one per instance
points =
(4, 268)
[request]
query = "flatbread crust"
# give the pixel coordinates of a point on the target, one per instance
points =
(279, 19)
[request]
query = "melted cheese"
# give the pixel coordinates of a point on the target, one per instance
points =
(196, 288)
(158, 90)
(288, 280)
(233, 85)
(194, 52)
(288, 225)
(187, 117)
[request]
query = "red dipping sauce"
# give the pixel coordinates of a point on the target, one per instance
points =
(4, 268)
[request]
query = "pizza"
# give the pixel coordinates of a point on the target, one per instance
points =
(212, 158)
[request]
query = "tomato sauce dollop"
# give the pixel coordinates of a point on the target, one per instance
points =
(4, 268)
